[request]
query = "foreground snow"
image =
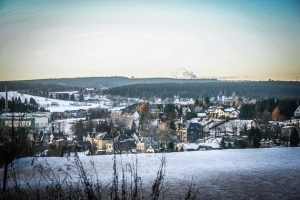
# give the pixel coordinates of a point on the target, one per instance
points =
(219, 174)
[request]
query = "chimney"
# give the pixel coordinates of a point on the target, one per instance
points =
(6, 99)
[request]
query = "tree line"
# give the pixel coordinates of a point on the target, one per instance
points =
(249, 89)
(16, 105)
(269, 108)
(110, 81)
(35, 88)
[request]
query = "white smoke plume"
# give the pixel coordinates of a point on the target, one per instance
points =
(183, 73)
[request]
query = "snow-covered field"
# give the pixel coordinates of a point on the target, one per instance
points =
(55, 105)
(272, 173)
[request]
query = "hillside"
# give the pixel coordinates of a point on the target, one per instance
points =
(217, 174)
(248, 89)
(160, 87)
(95, 82)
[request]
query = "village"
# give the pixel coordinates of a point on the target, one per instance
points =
(99, 125)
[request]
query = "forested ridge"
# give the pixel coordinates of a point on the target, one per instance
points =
(96, 82)
(249, 89)
(35, 88)
(161, 87)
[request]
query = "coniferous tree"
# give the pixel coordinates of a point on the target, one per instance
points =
(207, 101)
(197, 102)
(169, 111)
(254, 137)
(171, 146)
(81, 98)
(133, 127)
(72, 97)
(223, 145)
(172, 126)
(294, 138)
(79, 130)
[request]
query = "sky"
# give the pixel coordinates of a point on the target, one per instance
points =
(224, 39)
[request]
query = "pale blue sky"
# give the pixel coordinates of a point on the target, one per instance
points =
(225, 39)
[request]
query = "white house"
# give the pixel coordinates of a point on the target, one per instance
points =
(297, 112)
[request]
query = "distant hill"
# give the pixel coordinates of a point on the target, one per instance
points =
(248, 89)
(163, 87)
(96, 82)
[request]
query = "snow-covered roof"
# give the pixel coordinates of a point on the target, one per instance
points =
(229, 109)
(190, 146)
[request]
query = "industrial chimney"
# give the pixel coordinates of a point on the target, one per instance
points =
(6, 99)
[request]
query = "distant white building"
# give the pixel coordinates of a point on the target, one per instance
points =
(183, 101)
(297, 112)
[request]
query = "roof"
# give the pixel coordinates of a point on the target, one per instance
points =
(122, 137)
(71, 111)
(84, 143)
(57, 136)
(154, 146)
(191, 146)
(149, 142)
(212, 143)
(194, 124)
(198, 109)
(99, 135)
(229, 109)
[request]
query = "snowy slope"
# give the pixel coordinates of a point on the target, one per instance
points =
(272, 173)
(60, 105)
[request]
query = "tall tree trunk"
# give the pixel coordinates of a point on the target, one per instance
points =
(5, 172)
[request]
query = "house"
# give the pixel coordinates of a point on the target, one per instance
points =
(58, 139)
(120, 144)
(213, 143)
(219, 112)
(193, 132)
(186, 111)
(148, 146)
(57, 136)
(231, 127)
(126, 146)
(211, 110)
(202, 114)
(57, 115)
(140, 146)
(98, 139)
(152, 148)
(70, 113)
(188, 147)
(182, 131)
(83, 145)
(189, 131)
(183, 101)
(234, 114)
(286, 132)
(269, 130)
(198, 110)
(81, 113)
(223, 111)
(30, 121)
(297, 112)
